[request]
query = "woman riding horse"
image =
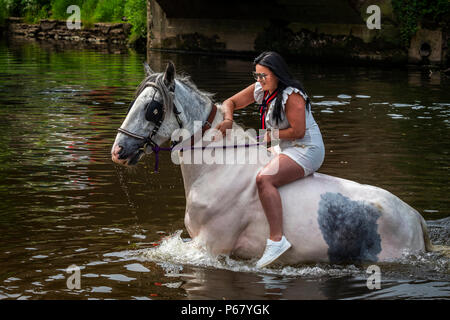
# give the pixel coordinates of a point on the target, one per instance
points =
(325, 218)
(284, 106)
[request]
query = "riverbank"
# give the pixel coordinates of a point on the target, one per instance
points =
(428, 47)
(113, 36)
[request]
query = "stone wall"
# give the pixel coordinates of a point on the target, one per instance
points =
(56, 30)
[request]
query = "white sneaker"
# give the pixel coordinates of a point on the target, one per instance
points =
(274, 249)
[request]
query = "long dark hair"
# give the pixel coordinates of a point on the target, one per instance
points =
(278, 66)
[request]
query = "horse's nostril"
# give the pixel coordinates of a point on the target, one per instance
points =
(121, 153)
(116, 151)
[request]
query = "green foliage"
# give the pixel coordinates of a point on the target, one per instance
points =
(91, 11)
(87, 11)
(13, 8)
(4, 11)
(136, 13)
(59, 8)
(109, 11)
(35, 10)
(31, 10)
(412, 12)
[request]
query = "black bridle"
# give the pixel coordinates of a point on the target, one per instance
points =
(155, 114)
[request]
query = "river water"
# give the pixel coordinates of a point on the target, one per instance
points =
(64, 203)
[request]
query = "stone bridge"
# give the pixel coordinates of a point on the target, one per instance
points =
(316, 29)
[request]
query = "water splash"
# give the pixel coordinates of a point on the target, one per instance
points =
(174, 252)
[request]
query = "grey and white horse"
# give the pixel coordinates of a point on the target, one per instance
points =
(327, 219)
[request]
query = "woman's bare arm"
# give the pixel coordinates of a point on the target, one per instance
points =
(295, 113)
(238, 101)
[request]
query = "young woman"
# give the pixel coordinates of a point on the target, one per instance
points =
(285, 106)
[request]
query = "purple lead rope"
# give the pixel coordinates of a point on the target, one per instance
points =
(156, 150)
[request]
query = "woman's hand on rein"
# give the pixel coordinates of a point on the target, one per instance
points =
(224, 126)
(267, 136)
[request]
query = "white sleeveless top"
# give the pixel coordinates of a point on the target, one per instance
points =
(312, 133)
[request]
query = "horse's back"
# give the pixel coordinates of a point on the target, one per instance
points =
(348, 221)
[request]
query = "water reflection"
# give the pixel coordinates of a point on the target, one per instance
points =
(228, 285)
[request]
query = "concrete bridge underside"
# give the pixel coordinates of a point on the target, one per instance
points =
(321, 28)
(235, 24)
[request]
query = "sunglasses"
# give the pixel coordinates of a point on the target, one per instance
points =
(258, 76)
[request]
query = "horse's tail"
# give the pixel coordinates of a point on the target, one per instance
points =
(430, 247)
(426, 237)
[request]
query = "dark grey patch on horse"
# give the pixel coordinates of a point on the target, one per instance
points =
(349, 228)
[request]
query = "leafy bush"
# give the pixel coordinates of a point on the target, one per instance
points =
(91, 11)
(136, 13)
(412, 12)
(13, 8)
(88, 10)
(4, 11)
(35, 10)
(59, 8)
(109, 11)
(31, 10)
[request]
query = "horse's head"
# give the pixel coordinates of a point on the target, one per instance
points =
(151, 118)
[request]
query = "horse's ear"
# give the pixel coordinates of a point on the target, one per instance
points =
(148, 70)
(169, 76)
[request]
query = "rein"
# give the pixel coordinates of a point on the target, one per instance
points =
(157, 149)
(208, 123)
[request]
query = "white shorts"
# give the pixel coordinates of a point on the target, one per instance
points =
(309, 157)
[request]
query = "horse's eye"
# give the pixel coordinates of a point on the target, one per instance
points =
(154, 112)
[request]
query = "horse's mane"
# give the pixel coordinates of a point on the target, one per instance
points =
(186, 80)
(158, 78)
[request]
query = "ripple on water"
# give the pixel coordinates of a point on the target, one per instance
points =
(396, 116)
(330, 103)
(102, 289)
(137, 267)
(174, 252)
(118, 277)
(402, 105)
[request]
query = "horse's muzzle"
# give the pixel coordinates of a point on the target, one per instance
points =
(123, 157)
(117, 155)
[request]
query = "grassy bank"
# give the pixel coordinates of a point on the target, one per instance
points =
(92, 11)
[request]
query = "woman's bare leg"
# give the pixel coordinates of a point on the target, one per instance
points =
(278, 172)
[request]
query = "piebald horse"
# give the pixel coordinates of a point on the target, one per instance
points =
(326, 219)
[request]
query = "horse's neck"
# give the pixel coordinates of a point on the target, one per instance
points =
(192, 105)
(192, 172)
(212, 181)
(197, 108)
(202, 174)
